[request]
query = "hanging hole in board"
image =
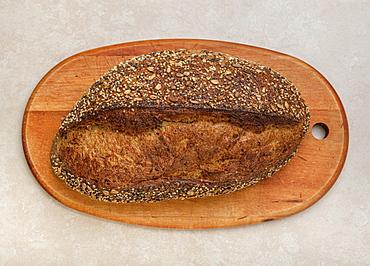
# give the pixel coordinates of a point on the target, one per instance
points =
(320, 131)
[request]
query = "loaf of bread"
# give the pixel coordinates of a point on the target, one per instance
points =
(179, 124)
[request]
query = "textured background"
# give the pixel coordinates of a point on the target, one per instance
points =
(332, 36)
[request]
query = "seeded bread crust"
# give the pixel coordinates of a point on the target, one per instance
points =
(142, 94)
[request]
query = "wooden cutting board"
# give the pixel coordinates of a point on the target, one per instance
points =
(297, 186)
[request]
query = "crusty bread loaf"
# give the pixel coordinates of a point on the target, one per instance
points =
(179, 124)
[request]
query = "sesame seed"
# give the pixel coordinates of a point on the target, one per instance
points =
(158, 86)
(236, 65)
(174, 99)
(153, 97)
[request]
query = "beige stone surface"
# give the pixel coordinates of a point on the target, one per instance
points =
(332, 36)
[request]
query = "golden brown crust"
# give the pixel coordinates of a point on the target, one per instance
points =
(179, 124)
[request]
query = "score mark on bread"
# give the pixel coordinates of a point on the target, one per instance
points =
(179, 124)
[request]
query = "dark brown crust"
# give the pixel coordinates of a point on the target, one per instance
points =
(140, 94)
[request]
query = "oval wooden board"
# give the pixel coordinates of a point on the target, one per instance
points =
(297, 186)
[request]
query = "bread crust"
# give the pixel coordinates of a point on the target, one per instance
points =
(183, 123)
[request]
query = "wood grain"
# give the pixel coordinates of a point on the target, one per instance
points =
(297, 186)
